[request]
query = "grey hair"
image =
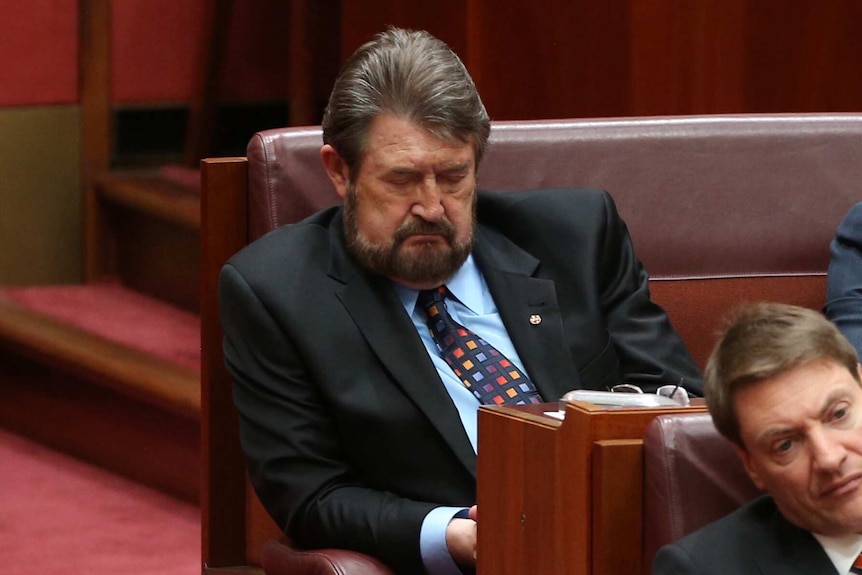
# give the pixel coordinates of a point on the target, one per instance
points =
(411, 75)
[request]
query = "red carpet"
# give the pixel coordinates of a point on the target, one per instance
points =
(64, 517)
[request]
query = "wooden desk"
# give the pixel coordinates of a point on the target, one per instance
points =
(562, 497)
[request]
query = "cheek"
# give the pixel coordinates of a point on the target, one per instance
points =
(794, 482)
(853, 444)
(787, 479)
(460, 213)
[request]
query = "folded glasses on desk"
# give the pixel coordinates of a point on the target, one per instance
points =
(628, 395)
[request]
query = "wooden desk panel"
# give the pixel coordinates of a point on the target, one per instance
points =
(561, 497)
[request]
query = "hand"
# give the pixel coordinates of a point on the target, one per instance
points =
(461, 539)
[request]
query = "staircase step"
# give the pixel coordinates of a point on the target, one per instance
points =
(80, 373)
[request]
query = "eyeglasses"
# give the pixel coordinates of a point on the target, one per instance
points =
(675, 392)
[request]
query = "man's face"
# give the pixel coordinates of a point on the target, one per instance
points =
(409, 213)
(802, 431)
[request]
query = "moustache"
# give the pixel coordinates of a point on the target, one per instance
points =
(421, 227)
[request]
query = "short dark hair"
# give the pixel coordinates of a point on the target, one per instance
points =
(762, 341)
(411, 75)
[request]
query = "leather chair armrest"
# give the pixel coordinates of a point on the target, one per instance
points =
(278, 558)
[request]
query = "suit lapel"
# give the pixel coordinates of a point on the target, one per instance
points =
(372, 303)
(797, 553)
(530, 311)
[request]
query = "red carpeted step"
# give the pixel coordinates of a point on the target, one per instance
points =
(127, 317)
(61, 516)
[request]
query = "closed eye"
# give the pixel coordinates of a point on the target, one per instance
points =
(452, 177)
(401, 177)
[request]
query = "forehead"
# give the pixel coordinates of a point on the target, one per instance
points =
(792, 397)
(395, 141)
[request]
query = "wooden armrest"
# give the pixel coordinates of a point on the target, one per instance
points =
(280, 559)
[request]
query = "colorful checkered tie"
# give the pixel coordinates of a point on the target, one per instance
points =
(486, 372)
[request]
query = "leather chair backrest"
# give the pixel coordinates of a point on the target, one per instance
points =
(692, 476)
(703, 196)
(720, 208)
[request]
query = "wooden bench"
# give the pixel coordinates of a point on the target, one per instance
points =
(721, 209)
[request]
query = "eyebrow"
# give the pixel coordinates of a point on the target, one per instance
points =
(457, 168)
(830, 400)
(404, 171)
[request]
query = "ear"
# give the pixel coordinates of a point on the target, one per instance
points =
(336, 169)
(749, 468)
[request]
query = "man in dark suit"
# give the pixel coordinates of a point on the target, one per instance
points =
(358, 432)
(844, 279)
(783, 384)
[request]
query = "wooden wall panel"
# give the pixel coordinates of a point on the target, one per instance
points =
(686, 57)
(361, 19)
(555, 58)
(156, 48)
(40, 216)
(579, 58)
(547, 58)
(803, 56)
(38, 52)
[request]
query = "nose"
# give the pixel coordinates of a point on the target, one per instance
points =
(828, 453)
(428, 204)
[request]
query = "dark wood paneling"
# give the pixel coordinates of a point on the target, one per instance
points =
(361, 19)
(686, 58)
(577, 58)
(223, 231)
(551, 58)
(803, 56)
(95, 94)
(314, 57)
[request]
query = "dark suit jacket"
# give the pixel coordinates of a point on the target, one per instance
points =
(349, 434)
(755, 539)
(844, 279)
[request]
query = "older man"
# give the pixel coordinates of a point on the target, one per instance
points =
(783, 385)
(363, 339)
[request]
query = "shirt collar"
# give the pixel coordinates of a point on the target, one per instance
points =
(467, 286)
(842, 550)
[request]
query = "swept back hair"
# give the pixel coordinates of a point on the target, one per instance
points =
(411, 75)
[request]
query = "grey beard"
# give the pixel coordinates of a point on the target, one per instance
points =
(432, 265)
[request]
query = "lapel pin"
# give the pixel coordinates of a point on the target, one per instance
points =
(535, 319)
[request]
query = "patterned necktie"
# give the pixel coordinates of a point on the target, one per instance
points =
(486, 372)
(857, 565)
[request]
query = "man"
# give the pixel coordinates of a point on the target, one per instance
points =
(844, 279)
(357, 431)
(783, 385)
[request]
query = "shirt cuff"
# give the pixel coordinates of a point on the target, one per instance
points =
(432, 542)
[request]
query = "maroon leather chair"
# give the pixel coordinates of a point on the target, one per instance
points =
(720, 208)
(692, 476)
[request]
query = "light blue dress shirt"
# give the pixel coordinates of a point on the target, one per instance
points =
(474, 308)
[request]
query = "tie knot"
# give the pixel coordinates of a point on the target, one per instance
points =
(429, 297)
